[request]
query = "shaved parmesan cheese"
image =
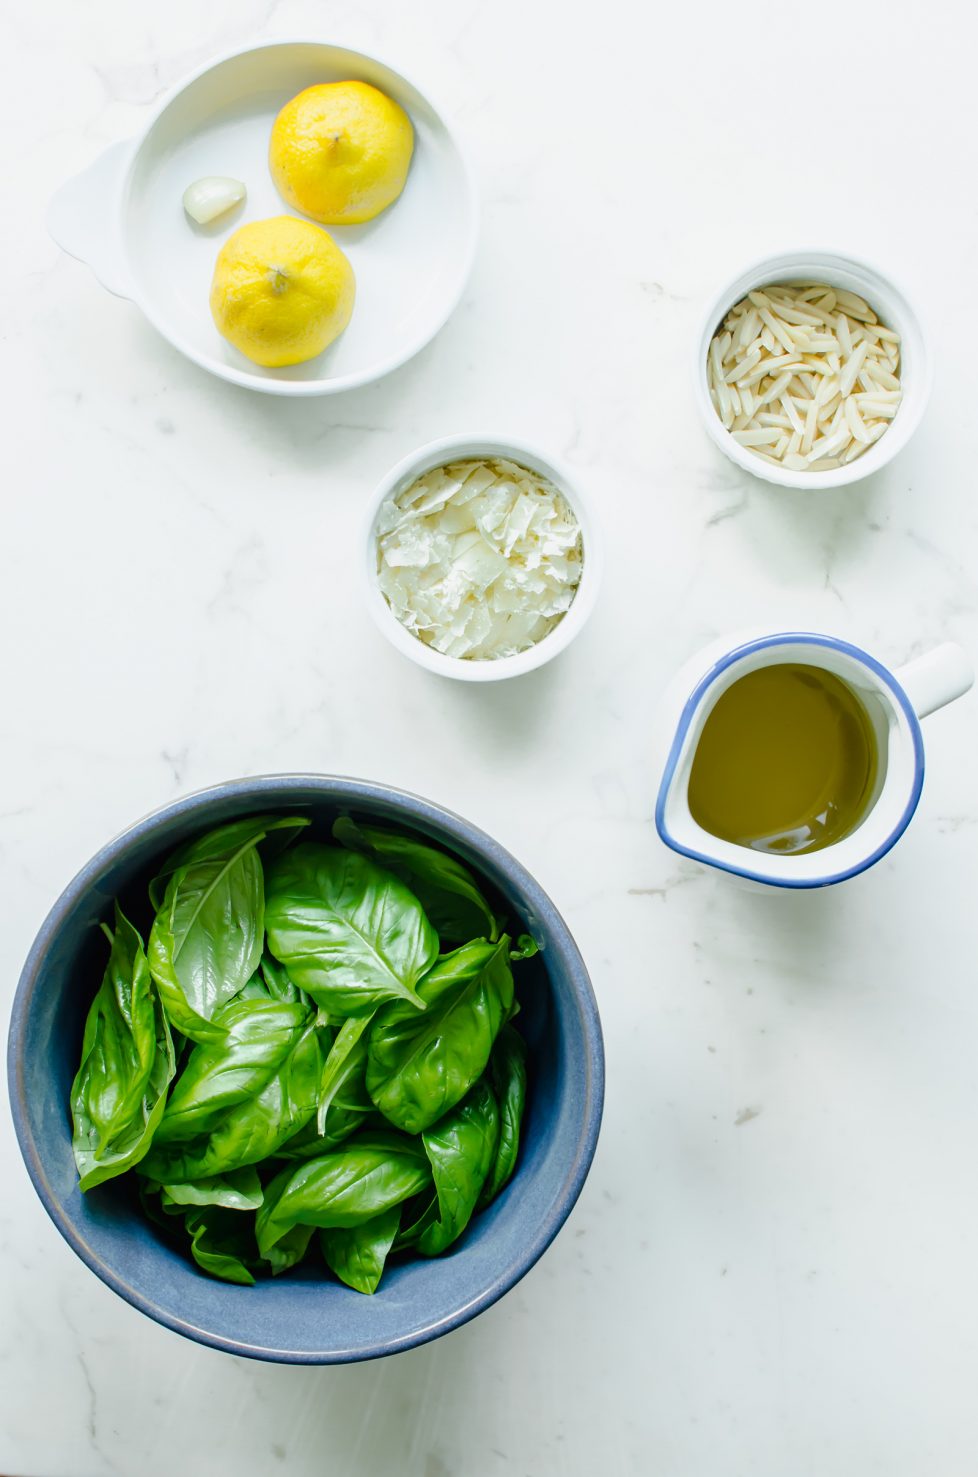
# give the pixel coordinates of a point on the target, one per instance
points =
(479, 559)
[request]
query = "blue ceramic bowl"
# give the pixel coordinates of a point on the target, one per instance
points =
(303, 1318)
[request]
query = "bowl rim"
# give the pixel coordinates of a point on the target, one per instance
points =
(518, 449)
(264, 384)
(260, 790)
(911, 409)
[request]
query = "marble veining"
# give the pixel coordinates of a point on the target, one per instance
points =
(771, 1270)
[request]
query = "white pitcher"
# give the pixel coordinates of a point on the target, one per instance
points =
(895, 703)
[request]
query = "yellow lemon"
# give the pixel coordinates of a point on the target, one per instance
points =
(282, 290)
(340, 152)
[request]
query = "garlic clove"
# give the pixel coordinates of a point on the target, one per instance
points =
(212, 196)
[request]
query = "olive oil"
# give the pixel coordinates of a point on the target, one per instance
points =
(786, 761)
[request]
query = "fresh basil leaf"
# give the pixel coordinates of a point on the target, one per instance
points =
(525, 948)
(237, 1102)
(344, 1102)
(221, 1245)
(416, 1216)
(221, 1242)
(507, 1072)
(461, 1149)
(277, 981)
(149, 1200)
(239, 1189)
(357, 1253)
(127, 1062)
(271, 982)
(206, 940)
(346, 1066)
(348, 932)
(419, 1066)
(368, 1175)
(289, 1250)
(275, 831)
(256, 1038)
(255, 989)
(445, 888)
(341, 1123)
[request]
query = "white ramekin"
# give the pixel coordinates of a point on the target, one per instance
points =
(455, 448)
(893, 307)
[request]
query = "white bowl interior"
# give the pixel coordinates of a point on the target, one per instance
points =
(456, 448)
(411, 262)
(893, 308)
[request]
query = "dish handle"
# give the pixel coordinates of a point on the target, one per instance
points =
(85, 217)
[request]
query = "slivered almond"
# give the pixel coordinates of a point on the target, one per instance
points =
(804, 375)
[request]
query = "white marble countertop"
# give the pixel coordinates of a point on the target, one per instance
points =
(772, 1271)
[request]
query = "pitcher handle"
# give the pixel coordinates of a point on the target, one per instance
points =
(936, 678)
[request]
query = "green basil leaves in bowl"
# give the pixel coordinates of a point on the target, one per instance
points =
(332, 1061)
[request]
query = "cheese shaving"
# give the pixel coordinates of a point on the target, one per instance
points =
(480, 559)
(818, 353)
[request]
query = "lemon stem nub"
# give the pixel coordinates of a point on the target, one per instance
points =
(278, 279)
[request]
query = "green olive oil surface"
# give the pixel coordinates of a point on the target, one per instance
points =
(786, 762)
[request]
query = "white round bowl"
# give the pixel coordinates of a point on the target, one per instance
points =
(456, 448)
(894, 309)
(124, 217)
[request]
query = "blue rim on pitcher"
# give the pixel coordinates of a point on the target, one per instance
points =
(690, 708)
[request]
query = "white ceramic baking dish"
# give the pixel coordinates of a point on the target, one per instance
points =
(124, 217)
